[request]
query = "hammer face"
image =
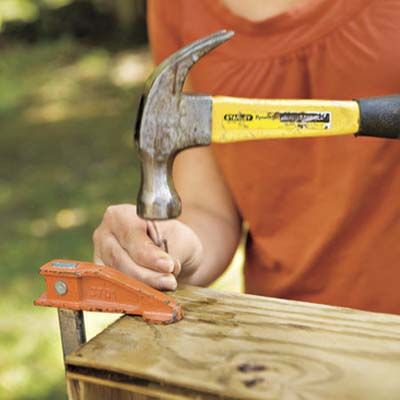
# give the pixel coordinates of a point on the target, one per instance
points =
(157, 198)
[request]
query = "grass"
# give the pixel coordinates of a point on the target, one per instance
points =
(66, 119)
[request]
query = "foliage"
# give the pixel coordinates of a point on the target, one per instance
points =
(26, 10)
(66, 153)
(116, 23)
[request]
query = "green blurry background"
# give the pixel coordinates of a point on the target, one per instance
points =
(70, 76)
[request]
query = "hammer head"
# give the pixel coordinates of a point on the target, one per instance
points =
(169, 121)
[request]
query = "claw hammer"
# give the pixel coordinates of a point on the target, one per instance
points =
(170, 121)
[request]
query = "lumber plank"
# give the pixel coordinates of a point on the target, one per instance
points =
(248, 347)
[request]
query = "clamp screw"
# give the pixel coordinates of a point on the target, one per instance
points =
(61, 288)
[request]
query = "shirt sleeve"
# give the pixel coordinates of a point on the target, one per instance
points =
(163, 24)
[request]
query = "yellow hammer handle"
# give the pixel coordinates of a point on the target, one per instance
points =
(237, 119)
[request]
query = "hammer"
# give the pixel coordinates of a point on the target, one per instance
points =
(170, 121)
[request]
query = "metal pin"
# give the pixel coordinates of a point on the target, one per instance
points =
(72, 329)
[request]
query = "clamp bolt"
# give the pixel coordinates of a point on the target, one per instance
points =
(61, 288)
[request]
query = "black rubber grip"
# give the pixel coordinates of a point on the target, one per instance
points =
(380, 117)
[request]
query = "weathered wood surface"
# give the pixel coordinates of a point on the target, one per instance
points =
(246, 347)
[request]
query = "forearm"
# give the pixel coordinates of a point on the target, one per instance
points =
(219, 237)
(210, 213)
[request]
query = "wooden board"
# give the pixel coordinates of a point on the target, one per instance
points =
(246, 347)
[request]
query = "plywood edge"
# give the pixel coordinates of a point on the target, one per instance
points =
(137, 385)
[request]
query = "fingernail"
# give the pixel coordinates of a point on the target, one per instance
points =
(168, 282)
(165, 264)
(177, 267)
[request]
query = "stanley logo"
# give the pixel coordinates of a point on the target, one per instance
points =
(238, 117)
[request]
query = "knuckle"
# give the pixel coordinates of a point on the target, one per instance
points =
(109, 213)
(124, 233)
(142, 255)
(114, 256)
(96, 236)
(155, 282)
(109, 251)
(137, 274)
(115, 213)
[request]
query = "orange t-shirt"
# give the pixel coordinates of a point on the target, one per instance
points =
(323, 214)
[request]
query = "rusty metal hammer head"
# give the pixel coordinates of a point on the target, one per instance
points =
(169, 121)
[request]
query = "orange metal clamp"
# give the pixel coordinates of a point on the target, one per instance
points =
(77, 285)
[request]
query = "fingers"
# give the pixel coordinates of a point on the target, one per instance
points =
(114, 255)
(131, 232)
(126, 242)
(145, 252)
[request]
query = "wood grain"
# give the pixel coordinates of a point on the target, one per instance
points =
(249, 347)
(91, 388)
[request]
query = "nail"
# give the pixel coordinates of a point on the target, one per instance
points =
(177, 267)
(165, 264)
(168, 282)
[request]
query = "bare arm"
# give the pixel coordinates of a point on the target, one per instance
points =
(209, 210)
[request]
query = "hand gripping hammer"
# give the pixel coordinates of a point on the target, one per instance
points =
(170, 121)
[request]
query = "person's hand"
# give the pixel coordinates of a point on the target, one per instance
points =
(124, 241)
